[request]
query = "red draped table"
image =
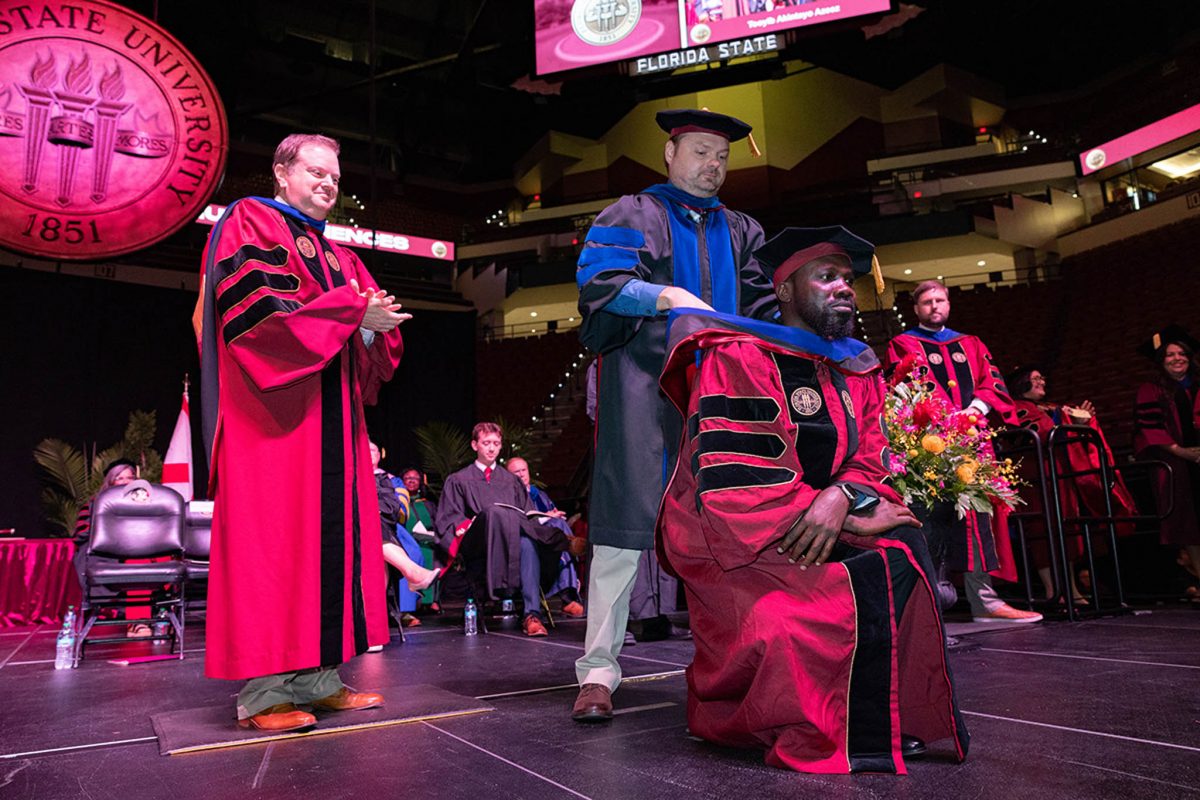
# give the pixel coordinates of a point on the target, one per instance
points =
(37, 581)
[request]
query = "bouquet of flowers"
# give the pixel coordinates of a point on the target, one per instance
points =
(937, 453)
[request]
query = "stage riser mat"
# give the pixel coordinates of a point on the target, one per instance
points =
(214, 727)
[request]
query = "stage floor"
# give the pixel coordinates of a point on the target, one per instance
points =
(1108, 708)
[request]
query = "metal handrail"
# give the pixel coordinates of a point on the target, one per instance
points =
(1061, 437)
(1034, 445)
(1054, 470)
(538, 327)
(1064, 436)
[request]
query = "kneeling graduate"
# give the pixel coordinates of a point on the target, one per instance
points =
(817, 633)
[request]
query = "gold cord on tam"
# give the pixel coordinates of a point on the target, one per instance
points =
(1157, 341)
(754, 151)
(877, 272)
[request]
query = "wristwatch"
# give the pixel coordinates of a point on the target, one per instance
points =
(860, 502)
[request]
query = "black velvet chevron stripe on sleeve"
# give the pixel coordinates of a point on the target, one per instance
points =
(242, 274)
(763, 445)
(740, 476)
(255, 313)
(1150, 415)
(250, 281)
(739, 409)
(277, 256)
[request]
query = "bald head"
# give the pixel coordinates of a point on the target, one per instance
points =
(518, 467)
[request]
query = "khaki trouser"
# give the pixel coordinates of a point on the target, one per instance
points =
(304, 686)
(610, 582)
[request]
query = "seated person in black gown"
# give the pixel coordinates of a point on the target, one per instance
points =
(482, 520)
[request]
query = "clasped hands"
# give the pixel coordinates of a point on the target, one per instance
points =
(383, 312)
(810, 541)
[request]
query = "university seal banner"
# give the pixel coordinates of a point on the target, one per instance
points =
(112, 136)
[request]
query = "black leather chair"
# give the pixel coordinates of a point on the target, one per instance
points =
(197, 539)
(127, 528)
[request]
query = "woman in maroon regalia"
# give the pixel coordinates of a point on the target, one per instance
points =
(1080, 494)
(1165, 428)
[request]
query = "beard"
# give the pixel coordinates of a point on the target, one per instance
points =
(828, 323)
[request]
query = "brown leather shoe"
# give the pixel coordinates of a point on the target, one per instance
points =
(278, 718)
(533, 626)
(345, 700)
(572, 609)
(594, 704)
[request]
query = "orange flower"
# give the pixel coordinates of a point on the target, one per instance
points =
(965, 473)
(933, 443)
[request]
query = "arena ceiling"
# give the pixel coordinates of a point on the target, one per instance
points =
(453, 96)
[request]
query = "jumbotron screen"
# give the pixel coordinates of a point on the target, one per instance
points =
(582, 33)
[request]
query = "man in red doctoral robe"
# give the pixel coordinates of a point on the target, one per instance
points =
(961, 371)
(294, 339)
(817, 634)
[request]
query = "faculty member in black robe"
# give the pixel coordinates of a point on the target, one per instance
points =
(501, 549)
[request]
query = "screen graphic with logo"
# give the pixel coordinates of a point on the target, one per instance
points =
(112, 136)
(581, 33)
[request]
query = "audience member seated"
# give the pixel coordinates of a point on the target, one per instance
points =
(482, 521)
(424, 509)
(407, 594)
(421, 525)
(400, 550)
(1165, 428)
(566, 585)
(119, 473)
(1083, 494)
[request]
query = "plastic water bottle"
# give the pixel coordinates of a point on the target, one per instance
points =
(470, 618)
(64, 655)
(506, 607)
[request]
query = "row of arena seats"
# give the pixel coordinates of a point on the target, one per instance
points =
(515, 376)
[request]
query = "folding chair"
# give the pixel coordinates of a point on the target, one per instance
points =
(125, 528)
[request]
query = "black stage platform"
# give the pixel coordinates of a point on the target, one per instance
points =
(1100, 709)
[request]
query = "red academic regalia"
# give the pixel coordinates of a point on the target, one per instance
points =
(965, 360)
(297, 569)
(1084, 493)
(808, 664)
(1165, 413)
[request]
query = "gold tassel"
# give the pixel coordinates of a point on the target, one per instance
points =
(877, 271)
(1157, 342)
(754, 151)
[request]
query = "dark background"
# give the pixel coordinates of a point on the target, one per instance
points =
(80, 354)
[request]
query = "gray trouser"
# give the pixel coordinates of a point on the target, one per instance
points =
(305, 686)
(977, 585)
(654, 591)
